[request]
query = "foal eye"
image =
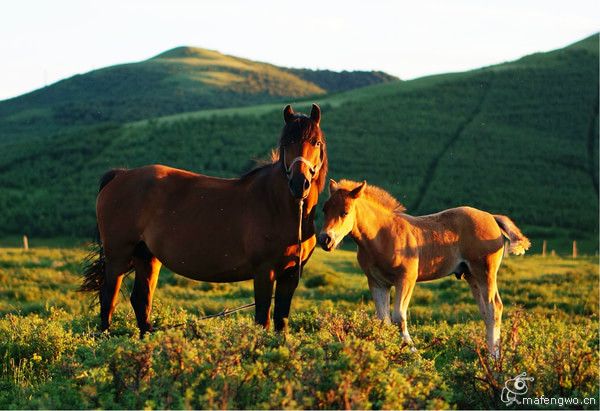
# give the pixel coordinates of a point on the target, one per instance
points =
(343, 214)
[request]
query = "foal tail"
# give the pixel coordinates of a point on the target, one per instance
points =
(94, 263)
(518, 242)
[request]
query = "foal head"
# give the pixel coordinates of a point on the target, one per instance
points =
(340, 214)
(303, 152)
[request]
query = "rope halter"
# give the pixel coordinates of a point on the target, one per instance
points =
(312, 168)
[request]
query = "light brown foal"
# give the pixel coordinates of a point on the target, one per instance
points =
(396, 249)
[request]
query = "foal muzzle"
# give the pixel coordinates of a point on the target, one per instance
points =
(325, 241)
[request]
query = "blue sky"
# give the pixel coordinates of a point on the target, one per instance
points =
(45, 41)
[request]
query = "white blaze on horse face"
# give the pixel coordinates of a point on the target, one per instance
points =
(304, 159)
(339, 227)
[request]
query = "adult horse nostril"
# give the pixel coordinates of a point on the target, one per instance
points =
(306, 185)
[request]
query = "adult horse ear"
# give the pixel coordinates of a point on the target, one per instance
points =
(288, 113)
(315, 114)
(333, 186)
(357, 192)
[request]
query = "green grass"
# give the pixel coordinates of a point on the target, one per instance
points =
(335, 356)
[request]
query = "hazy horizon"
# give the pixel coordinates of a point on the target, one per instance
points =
(48, 42)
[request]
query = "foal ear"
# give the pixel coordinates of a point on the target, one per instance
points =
(288, 113)
(357, 192)
(333, 186)
(315, 114)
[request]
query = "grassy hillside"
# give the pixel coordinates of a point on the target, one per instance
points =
(336, 356)
(518, 138)
(179, 80)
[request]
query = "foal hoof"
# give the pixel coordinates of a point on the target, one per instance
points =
(413, 349)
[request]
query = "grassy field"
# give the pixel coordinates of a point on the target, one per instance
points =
(336, 355)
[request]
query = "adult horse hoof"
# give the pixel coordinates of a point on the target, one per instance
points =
(281, 326)
(146, 331)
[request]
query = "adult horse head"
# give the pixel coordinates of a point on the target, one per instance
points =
(303, 152)
(212, 229)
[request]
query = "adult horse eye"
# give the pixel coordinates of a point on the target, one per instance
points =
(343, 214)
(318, 144)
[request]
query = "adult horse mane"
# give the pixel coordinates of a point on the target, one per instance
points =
(212, 229)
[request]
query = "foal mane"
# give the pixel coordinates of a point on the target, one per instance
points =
(375, 194)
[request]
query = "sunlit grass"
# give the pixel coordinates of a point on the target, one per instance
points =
(336, 355)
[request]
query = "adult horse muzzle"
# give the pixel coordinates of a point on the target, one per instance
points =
(298, 182)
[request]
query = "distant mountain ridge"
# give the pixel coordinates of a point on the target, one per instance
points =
(175, 81)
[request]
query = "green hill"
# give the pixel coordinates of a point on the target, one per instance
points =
(519, 138)
(179, 80)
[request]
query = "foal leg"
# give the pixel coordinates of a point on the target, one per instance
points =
(147, 268)
(381, 297)
(404, 289)
(263, 293)
(494, 301)
(482, 281)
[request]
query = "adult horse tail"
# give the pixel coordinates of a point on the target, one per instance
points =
(518, 242)
(94, 263)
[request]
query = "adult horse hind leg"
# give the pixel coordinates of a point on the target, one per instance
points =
(482, 280)
(147, 268)
(115, 268)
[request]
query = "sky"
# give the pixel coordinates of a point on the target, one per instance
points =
(45, 41)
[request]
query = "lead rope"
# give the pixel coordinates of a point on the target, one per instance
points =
(300, 206)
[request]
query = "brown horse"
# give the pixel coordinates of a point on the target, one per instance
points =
(212, 229)
(395, 249)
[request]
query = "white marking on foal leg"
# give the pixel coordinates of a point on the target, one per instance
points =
(404, 289)
(404, 331)
(491, 311)
(381, 297)
(497, 318)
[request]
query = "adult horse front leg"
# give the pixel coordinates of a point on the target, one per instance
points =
(263, 293)
(287, 283)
